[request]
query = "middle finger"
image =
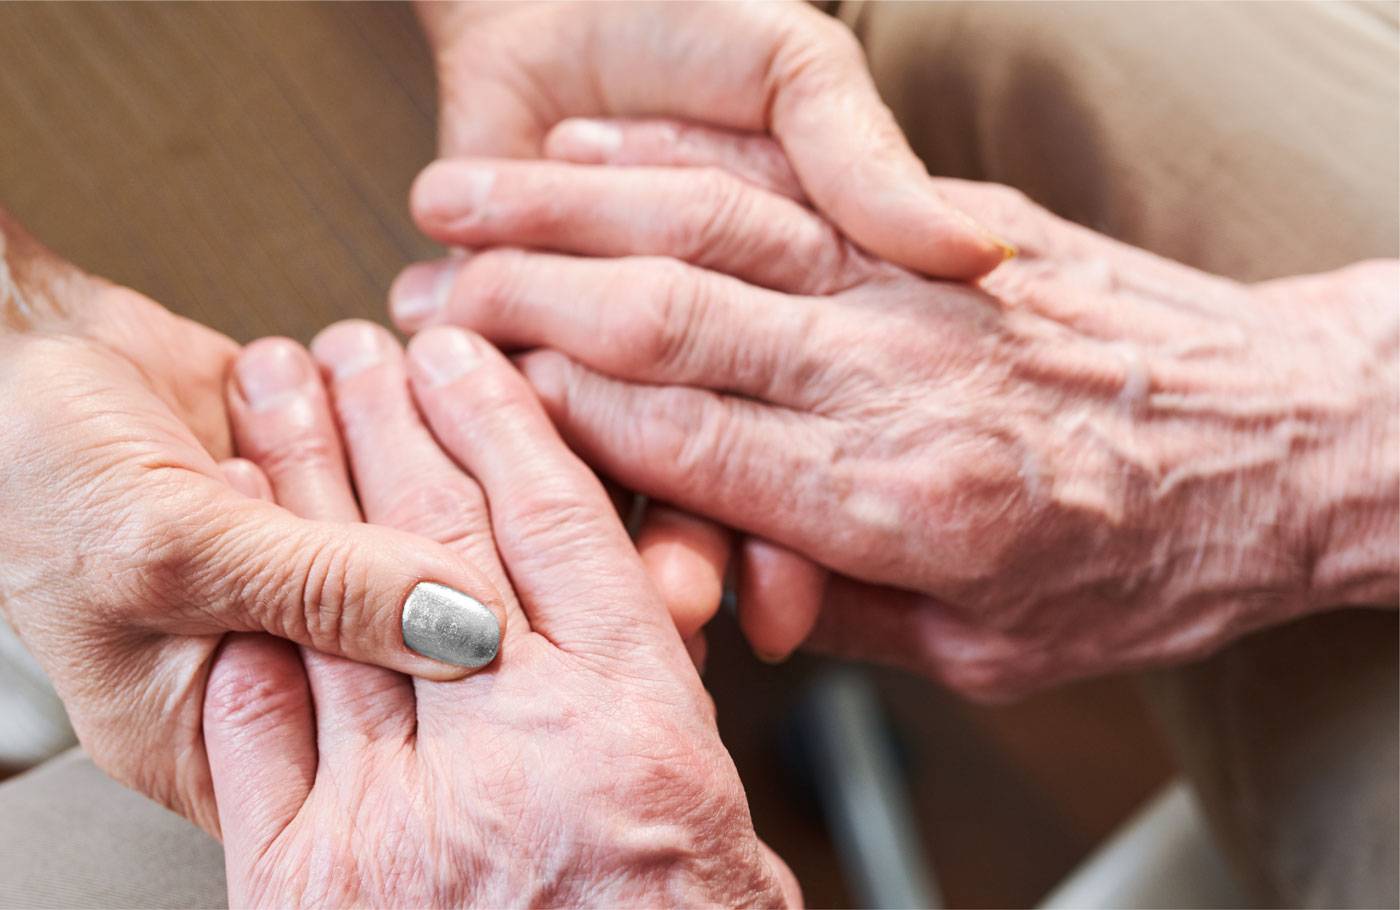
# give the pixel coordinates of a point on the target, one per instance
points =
(282, 422)
(404, 478)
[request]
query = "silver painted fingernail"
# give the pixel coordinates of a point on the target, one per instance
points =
(447, 625)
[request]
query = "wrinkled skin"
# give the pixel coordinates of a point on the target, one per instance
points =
(583, 768)
(128, 555)
(1095, 459)
(508, 73)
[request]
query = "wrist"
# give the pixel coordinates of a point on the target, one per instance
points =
(1351, 483)
(1265, 454)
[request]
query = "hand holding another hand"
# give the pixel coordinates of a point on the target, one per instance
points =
(507, 73)
(1095, 459)
(584, 767)
(127, 553)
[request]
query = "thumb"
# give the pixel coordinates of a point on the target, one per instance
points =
(856, 166)
(372, 594)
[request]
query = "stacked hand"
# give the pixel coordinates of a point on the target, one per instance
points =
(1094, 459)
(507, 73)
(129, 554)
(584, 768)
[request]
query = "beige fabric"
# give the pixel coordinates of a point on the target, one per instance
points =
(71, 837)
(255, 160)
(1249, 139)
(1252, 140)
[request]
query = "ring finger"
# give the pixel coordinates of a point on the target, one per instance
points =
(404, 478)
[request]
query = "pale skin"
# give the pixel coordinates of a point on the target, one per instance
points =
(1092, 460)
(107, 397)
(507, 73)
(129, 551)
(583, 769)
(128, 554)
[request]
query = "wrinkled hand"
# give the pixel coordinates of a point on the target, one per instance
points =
(583, 768)
(126, 553)
(1097, 459)
(507, 73)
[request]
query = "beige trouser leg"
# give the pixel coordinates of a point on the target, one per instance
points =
(72, 837)
(1252, 140)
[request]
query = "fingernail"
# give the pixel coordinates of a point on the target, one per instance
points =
(420, 291)
(770, 657)
(447, 625)
(1007, 250)
(548, 374)
(268, 371)
(349, 349)
(453, 189)
(443, 356)
(583, 138)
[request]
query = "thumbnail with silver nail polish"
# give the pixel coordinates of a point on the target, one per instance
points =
(447, 625)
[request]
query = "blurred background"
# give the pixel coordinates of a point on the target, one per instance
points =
(1006, 800)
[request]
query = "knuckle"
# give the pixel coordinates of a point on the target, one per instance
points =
(981, 682)
(1008, 197)
(298, 454)
(665, 334)
(822, 261)
(686, 428)
(841, 39)
(816, 56)
(331, 592)
(546, 516)
(446, 510)
(487, 285)
(247, 700)
(664, 423)
(496, 394)
(810, 26)
(709, 218)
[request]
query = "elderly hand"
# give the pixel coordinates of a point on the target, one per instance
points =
(126, 554)
(507, 73)
(1097, 459)
(584, 768)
